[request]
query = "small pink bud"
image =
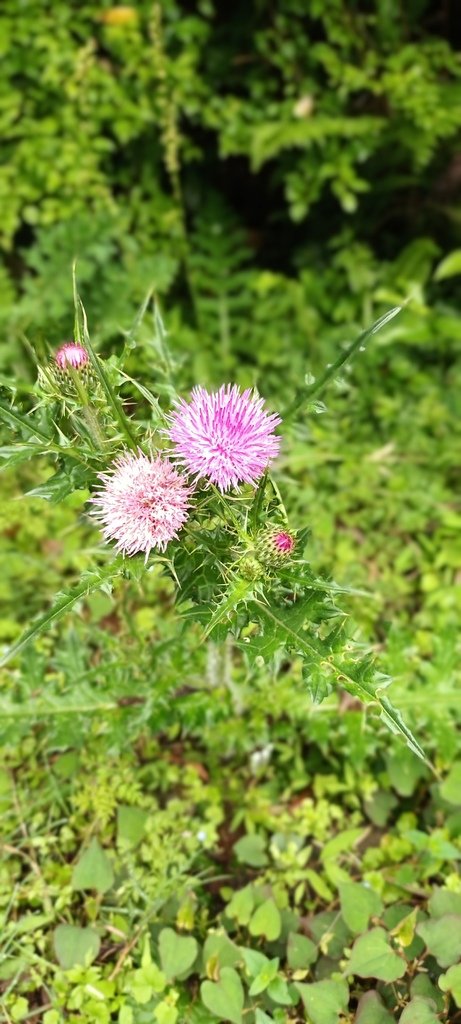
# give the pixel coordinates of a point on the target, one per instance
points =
(275, 545)
(284, 542)
(71, 355)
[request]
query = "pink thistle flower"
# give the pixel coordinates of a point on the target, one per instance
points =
(142, 504)
(71, 355)
(225, 437)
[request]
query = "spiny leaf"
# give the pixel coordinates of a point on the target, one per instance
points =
(26, 423)
(306, 394)
(285, 626)
(63, 603)
(240, 590)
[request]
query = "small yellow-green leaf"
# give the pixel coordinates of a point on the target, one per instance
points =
(266, 921)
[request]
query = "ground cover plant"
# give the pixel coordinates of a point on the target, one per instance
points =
(189, 833)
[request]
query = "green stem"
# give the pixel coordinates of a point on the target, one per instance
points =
(306, 394)
(83, 338)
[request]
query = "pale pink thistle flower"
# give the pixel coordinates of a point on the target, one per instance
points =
(226, 437)
(71, 355)
(142, 504)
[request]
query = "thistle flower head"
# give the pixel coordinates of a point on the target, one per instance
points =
(275, 545)
(226, 437)
(142, 504)
(71, 355)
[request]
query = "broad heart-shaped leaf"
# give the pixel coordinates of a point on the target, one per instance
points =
(373, 957)
(451, 982)
(404, 770)
(443, 938)
(93, 869)
(224, 997)
(263, 1018)
(324, 1000)
(358, 904)
(443, 901)
(301, 951)
(75, 947)
(177, 952)
(90, 582)
(220, 949)
(419, 1011)
(241, 905)
(252, 850)
(266, 921)
(371, 1010)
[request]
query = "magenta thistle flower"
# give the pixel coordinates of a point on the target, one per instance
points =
(226, 437)
(142, 504)
(71, 355)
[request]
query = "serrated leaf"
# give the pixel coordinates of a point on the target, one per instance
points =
(285, 627)
(63, 603)
(305, 394)
(239, 591)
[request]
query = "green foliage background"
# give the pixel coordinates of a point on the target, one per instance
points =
(279, 175)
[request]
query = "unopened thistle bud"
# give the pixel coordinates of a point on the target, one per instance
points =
(67, 373)
(275, 546)
(251, 569)
(71, 356)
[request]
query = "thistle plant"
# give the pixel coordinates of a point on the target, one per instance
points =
(195, 491)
